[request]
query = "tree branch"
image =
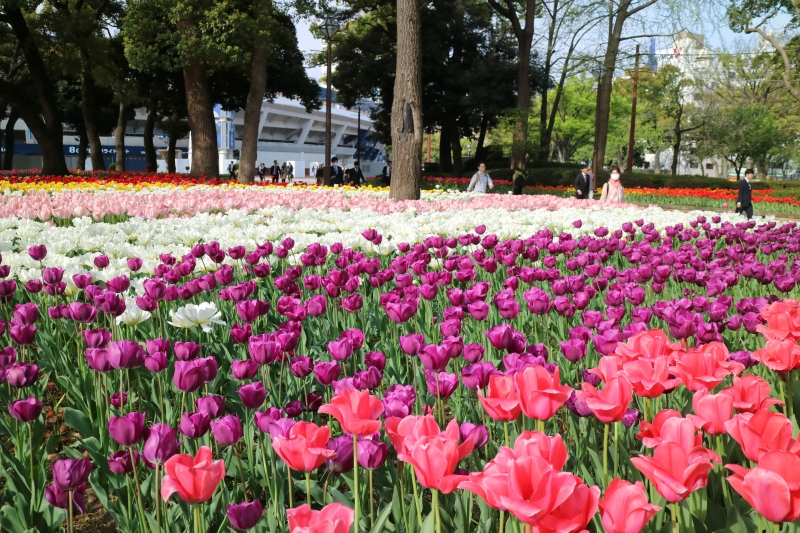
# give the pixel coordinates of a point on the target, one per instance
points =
(629, 37)
(639, 8)
(787, 64)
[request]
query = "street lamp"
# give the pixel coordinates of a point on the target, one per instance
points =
(329, 28)
(600, 70)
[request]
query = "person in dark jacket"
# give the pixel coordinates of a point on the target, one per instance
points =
(387, 173)
(320, 174)
(744, 201)
(354, 175)
(519, 182)
(275, 171)
(582, 181)
(337, 174)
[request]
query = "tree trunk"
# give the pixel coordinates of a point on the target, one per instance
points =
(657, 162)
(445, 159)
(407, 105)
(83, 148)
(48, 128)
(151, 162)
(455, 139)
(480, 149)
(520, 140)
(8, 160)
(761, 169)
(172, 144)
(200, 107)
(119, 136)
(544, 136)
(88, 110)
(255, 97)
(2, 133)
(676, 151)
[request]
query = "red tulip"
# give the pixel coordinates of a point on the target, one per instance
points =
(410, 428)
(783, 320)
(779, 355)
(762, 432)
(333, 518)
(675, 472)
(536, 443)
(713, 410)
(356, 411)
(194, 478)
(305, 448)
(751, 393)
(435, 459)
(670, 426)
(646, 345)
(540, 394)
(699, 369)
(610, 403)
(502, 401)
(772, 488)
(625, 508)
(650, 379)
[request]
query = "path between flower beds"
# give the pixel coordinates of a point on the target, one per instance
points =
(687, 208)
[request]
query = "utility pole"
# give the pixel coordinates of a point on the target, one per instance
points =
(633, 111)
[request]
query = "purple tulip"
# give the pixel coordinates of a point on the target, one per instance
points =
(194, 425)
(371, 453)
(82, 313)
(96, 338)
(70, 474)
(577, 406)
(156, 362)
(52, 275)
(264, 349)
(21, 375)
(480, 434)
(22, 335)
(301, 366)
(186, 351)
(342, 462)
(592, 379)
(434, 357)
(38, 252)
(743, 357)
(375, 360)
(98, 359)
(631, 418)
(227, 430)
(57, 497)
(246, 369)
(119, 284)
(160, 444)
(26, 410)
(252, 395)
(127, 430)
(412, 344)
(441, 384)
(189, 375)
(326, 372)
(264, 419)
(606, 342)
(34, 286)
(476, 376)
(125, 354)
(120, 462)
(241, 333)
(574, 350)
(8, 356)
(340, 349)
(293, 409)
(500, 336)
(119, 399)
(213, 405)
(244, 516)
(101, 261)
(26, 314)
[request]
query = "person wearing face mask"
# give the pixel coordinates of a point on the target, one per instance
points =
(613, 191)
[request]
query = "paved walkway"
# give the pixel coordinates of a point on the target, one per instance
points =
(791, 217)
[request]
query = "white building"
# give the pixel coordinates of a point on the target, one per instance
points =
(287, 133)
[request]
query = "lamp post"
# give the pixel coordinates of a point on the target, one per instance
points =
(597, 166)
(358, 137)
(329, 28)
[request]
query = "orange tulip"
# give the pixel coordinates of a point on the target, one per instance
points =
(194, 478)
(502, 401)
(305, 449)
(357, 412)
(625, 508)
(540, 394)
(333, 518)
(772, 487)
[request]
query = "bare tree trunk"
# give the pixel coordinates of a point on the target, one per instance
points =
(445, 159)
(657, 161)
(151, 162)
(83, 148)
(88, 110)
(119, 136)
(172, 144)
(676, 151)
(8, 157)
(455, 139)
(407, 105)
(255, 97)
(200, 108)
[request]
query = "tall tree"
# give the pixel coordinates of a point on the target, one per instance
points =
(255, 96)
(407, 105)
(28, 85)
(524, 36)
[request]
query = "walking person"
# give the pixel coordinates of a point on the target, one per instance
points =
(387, 173)
(519, 180)
(337, 174)
(290, 171)
(275, 171)
(262, 172)
(613, 190)
(283, 172)
(480, 180)
(582, 184)
(744, 200)
(319, 173)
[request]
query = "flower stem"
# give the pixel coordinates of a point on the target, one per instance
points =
(674, 518)
(33, 481)
(776, 527)
(355, 481)
(241, 471)
(505, 430)
(196, 509)
(605, 454)
(158, 496)
(416, 498)
(138, 488)
(616, 448)
(502, 521)
(69, 511)
(289, 475)
(722, 479)
(789, 391)
(371, 503)
(436, 510)
(308, 488)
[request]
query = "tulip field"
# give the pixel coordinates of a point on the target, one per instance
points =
(191, 357)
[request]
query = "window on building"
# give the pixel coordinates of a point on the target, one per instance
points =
(694, 164)
(709, 166)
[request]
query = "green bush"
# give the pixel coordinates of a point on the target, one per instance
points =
(112, 166)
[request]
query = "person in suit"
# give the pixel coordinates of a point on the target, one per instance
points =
(275, 171)
(319, 173)
(262, 172)
(387, 173)
(744, 201)
(582, 184)
(519, 182)
(337, 174)
(356, 175)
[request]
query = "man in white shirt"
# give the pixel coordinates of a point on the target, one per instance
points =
(480, 180)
